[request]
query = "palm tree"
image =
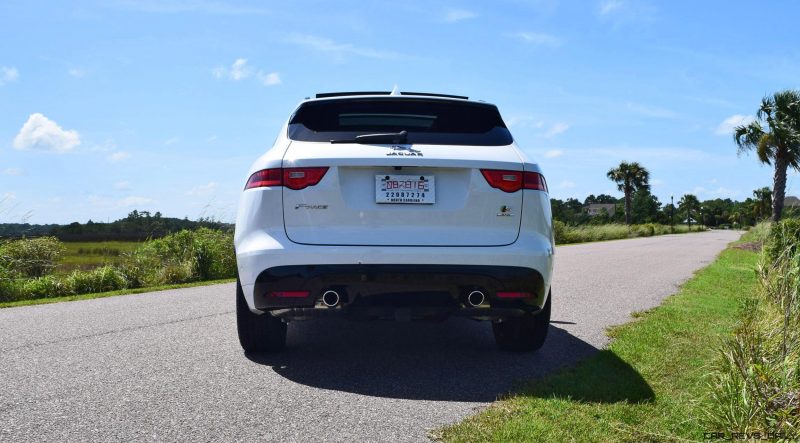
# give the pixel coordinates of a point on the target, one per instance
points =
(775, 136)
(630, 177)
(689, 204)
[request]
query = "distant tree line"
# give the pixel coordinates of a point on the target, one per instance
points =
(646, 208)
(137, 226)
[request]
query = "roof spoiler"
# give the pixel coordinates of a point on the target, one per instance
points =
(423, 94)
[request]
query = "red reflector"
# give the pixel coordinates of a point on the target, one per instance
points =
(514, 295)
(289, 294)
(292, 178)
(506, 181)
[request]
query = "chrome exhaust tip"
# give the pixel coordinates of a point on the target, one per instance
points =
(476, 298)
(331, 298)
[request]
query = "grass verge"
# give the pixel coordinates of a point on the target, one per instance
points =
(42, 301)
(565, 234)
(650, 384)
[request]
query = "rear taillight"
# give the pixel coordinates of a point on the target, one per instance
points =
(292, 178)
(513, 181)
(264, 177)
(301, 178)
(534, 180)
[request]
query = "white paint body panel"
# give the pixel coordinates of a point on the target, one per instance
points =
(464, 214)
(462, 227)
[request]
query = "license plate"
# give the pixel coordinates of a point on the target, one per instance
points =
(405, 189)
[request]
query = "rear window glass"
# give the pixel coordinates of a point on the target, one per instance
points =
(438, 122)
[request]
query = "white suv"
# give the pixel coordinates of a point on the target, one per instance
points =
(394, 206)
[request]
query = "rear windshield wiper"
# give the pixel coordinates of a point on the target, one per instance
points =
(391, 137)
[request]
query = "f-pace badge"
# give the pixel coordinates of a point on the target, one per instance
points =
(505, 211)
(403, 151)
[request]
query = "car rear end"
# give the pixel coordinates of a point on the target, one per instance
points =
(394, 206)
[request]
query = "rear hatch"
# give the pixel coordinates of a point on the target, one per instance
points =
(410, 193)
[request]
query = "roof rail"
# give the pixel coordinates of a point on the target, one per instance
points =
(352, 93)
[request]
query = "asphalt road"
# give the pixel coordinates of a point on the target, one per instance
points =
(167, 366)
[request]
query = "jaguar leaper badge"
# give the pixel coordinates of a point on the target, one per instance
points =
(505, 211)
(403, 151)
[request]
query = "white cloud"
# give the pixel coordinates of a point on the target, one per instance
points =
(125, 202)
(42, 134)
(538, 39)
(189, 6)
(558, 128)
(523, 121)
(270, 79)
(566, 184)
(610, 6)
(656, 182)
(123, 185)
(650, 111)
(719, 192)
(133, 201)
(457, 15)
(619, 12)
(206, 189)
(8, 75)
(240, 69)
(340, 51)
(118, 157)
(171, 141)
(12, 171)
(553, 153)
(727, 125)
(8, 196)
(656, 154)
(77, 72)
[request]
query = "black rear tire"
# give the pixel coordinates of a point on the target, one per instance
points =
(258, 333)
(523, 334)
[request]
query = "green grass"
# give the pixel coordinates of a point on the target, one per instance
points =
(649, 385)
(90, 255)
(42, 301)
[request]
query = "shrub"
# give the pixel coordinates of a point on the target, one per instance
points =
(106, 278)
(47, 286)
(782, 238)
(31, 257)
(757, 383)
(10, 289)
(559, 231)
(203, 254)
(759, 232)
(646, 230)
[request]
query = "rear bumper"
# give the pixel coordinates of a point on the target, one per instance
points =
(266, 256)
(392, 290)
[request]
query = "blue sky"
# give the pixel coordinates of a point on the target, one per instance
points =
(115, 105)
